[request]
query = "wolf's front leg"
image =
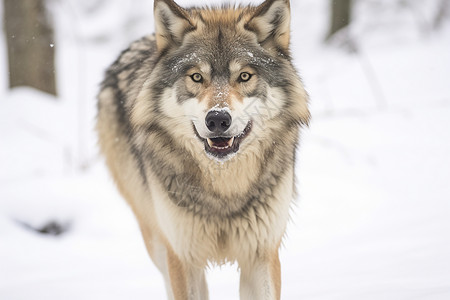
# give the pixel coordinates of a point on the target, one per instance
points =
(186, 281)
(197, 287)
(183, 281)
(261, 278)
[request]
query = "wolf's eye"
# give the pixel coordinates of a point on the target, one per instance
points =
(196, 77)
(244, 77)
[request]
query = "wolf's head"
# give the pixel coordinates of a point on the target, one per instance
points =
(224, 78)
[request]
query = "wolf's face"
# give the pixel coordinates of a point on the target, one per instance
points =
(225, 76)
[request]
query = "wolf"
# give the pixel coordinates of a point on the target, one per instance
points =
(199, 125)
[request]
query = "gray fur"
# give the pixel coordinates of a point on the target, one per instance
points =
(184, 187)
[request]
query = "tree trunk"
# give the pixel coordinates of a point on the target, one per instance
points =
(340, 15)
(30, 43)
(443, 12)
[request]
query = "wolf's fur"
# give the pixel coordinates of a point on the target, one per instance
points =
(196, 207)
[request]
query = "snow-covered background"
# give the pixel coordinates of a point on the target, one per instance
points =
(373, 217)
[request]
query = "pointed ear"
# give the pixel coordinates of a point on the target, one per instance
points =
(171, 23)
(271, 22)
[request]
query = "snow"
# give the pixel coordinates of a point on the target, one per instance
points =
(373, 217)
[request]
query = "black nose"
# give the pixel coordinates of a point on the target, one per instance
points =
(218, 121)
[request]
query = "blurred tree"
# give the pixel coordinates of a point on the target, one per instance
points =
(340, 15)
(29, 37)
(443, 12)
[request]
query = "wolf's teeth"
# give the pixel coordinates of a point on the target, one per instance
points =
(229, 144)
(210, 143)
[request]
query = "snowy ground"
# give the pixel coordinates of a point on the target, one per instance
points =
(373, 217)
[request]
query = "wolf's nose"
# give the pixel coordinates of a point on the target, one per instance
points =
(218, 121)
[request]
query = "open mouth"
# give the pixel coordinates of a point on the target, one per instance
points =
(222, 146)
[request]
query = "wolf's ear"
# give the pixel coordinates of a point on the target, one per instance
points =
(171, 23)
(271, 21)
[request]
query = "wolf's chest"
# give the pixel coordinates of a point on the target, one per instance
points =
(224, 238)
